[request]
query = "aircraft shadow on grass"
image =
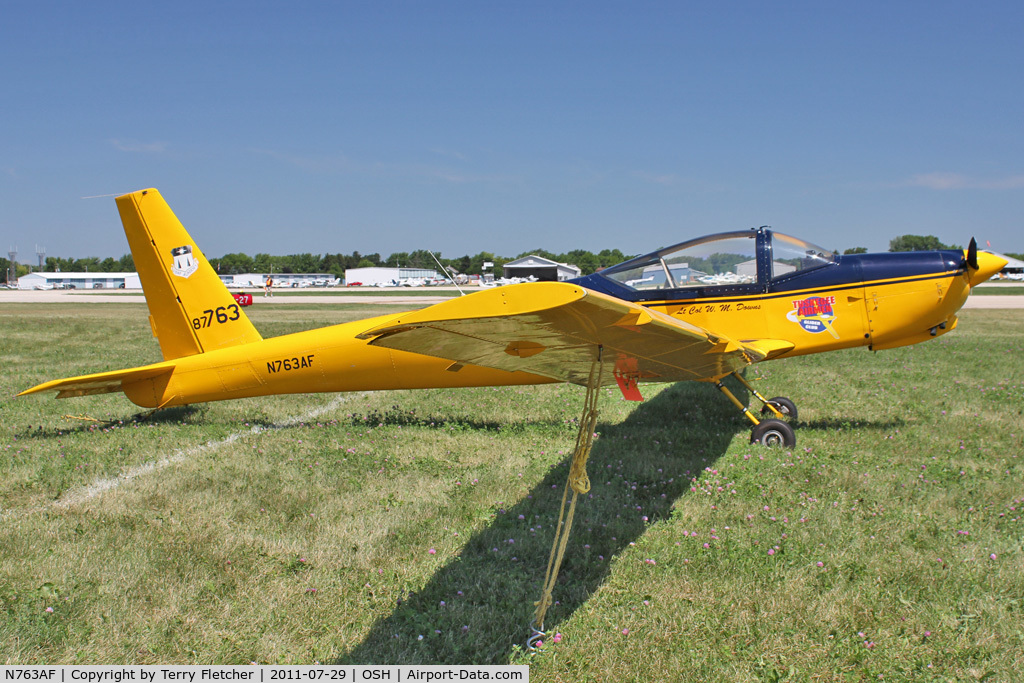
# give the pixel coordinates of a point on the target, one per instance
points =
(637, 468)
(833, 424)
(74, 425)
(396, 416)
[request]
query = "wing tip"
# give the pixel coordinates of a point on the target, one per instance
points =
(767, 349)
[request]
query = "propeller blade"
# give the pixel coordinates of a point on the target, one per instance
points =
(972, 254)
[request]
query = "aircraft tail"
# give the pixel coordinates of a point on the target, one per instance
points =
(190, 309)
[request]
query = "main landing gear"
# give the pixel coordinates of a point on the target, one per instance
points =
(773, 431)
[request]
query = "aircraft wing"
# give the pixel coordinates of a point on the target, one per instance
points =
(554, 329)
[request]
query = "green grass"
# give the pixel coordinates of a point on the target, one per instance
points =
(299, 529)
(1002, 291)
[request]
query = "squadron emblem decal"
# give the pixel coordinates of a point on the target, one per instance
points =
(184, 263)
(814, 314)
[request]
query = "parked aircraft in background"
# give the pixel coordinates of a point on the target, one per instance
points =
(701, 310)
(502, 281)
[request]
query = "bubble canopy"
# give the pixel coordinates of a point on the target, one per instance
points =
(746, 257)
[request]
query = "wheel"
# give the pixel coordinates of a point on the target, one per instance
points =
(783, 405)
(773, 433)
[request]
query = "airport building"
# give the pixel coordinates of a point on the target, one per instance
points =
(131, 280)
(280, 279)
(541, 268)
(1013, 270)
(387, 276)
(79, 281)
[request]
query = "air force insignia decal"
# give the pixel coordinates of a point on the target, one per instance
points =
(184, 262)
(815, 314)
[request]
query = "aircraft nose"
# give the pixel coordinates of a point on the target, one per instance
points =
(988, 265)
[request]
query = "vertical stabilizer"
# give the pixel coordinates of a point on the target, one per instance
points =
(190, 309)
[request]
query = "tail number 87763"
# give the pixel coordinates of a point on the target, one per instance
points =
(219, 315)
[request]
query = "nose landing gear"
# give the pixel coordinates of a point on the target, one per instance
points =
(774, 431)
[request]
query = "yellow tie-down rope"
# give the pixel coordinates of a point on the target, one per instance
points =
(579, 482)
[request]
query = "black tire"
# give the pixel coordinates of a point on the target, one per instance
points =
(773, 433)
(783, 405)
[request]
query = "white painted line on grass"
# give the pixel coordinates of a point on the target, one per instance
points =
(79, 495)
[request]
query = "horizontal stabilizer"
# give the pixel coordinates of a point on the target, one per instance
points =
(554, 329)
(100, 382)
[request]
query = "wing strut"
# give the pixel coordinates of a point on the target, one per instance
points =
(579, 482)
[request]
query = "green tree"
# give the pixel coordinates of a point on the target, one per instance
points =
(476, 263)
(543, 253)
(421, 258)
(233, 264)
(609, 257)
(587, 261)
(332, 263)
(90, 264)
(262, 263)
(55, 264)
(859, 250)
(282, 264)
(303, 263)
(917, 243)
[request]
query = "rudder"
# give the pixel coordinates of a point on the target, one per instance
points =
(190, 309)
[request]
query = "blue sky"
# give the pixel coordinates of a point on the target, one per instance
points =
(479, 126)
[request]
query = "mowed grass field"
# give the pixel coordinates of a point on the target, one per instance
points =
(414, 527)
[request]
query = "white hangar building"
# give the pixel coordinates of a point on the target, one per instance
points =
(80, 281)
(384, 275)
(541, 268)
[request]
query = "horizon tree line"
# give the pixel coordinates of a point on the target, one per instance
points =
(336, 263)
